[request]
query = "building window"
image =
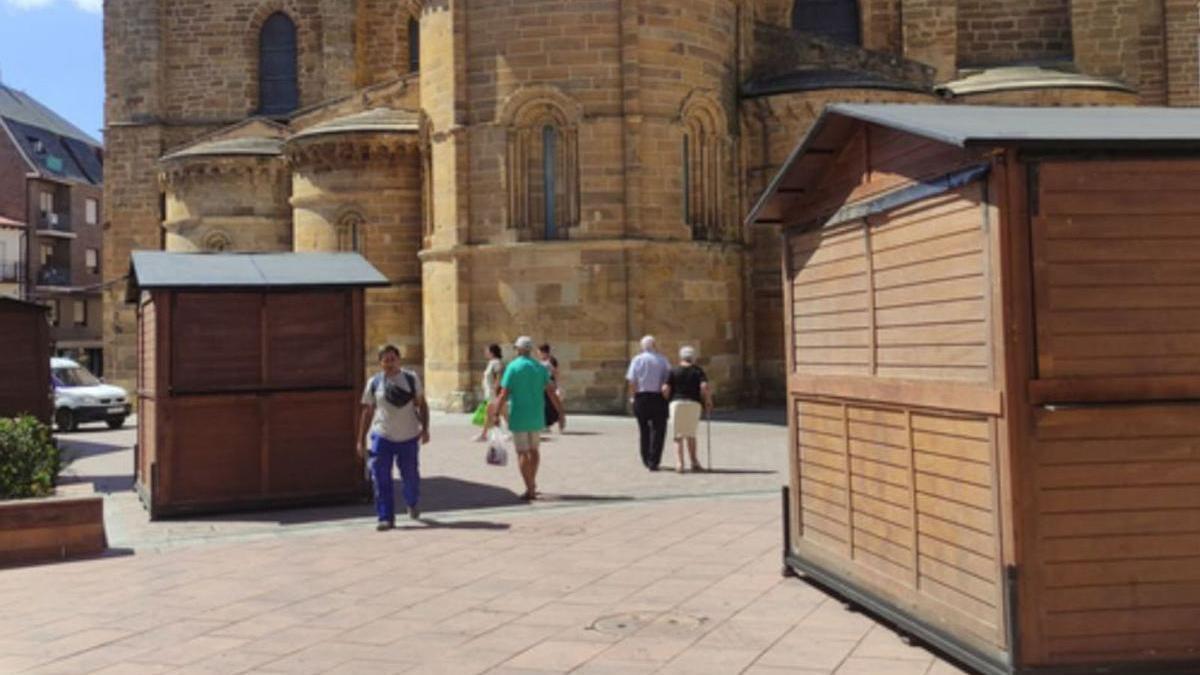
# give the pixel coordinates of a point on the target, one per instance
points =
(704, 174)
(91, 211)
(46, 204)
(52, 315)
(414, 45)
(543, 172)
(80, 307)
(278, 89)
(350, 232)
(47, 251)
(92, 260)
(549, 158)
(834, 19)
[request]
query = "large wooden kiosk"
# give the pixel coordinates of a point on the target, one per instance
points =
(251, 368)
(994, 378)
(24, 360)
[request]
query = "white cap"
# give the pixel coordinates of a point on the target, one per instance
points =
(687, 354)
(524, 343)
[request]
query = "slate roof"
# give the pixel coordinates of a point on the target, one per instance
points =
(55, 147)
(241, 146)
(214, 271)
(374, 120)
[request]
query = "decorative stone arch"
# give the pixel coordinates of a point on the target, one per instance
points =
(705, 156)
(350, 230)
(217, 241)
(542, 126)
(308, 49)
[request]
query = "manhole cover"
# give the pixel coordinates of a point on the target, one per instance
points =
(648, 624)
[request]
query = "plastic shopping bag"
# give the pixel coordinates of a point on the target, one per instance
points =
(499, 444)
(480, 415)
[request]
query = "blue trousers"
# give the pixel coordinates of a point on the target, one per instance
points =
(384, 453)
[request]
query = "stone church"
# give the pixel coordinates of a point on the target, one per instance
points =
(576, 170)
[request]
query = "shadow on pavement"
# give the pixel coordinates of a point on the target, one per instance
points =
(73, 450)
(432, 524)
(759, 472)
(438, 494)
(773, 416)
(102, 484)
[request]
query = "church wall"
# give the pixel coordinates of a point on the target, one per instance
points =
(212, 55)
(382, 52)
(995, 33)
(373, 207)
(236, 204)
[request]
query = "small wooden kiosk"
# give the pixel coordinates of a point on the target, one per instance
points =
(24, 360)
(250, 373)
(994, 378)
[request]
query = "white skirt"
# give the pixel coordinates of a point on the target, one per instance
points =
(685, 418)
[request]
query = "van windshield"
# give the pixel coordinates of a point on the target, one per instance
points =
(74, 377)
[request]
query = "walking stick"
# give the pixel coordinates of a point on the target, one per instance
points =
(708, 428)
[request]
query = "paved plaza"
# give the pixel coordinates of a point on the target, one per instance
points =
(618, 570)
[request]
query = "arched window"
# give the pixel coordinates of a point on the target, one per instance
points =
(543, 170)
(703, 175)
(414, 45)
(278, 90)
(349, 233)
(549, 155)
(836, 19)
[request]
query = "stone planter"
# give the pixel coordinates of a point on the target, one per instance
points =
(67, 525)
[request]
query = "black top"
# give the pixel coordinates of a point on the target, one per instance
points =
(685, 383)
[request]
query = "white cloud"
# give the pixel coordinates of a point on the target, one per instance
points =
(28, 4)
(91, 6)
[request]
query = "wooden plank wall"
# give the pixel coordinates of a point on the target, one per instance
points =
(907, 495)
(906, 297)
(1114, 542)
(1117, 253)
(24, 361)
(894, 387)
(1117, 556)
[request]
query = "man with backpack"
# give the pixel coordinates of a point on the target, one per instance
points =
(394, 407)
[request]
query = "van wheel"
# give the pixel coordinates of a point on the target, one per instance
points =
(65, 420)
(115, 422)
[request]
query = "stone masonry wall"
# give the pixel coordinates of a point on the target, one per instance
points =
(242, 201)
(384, 198)
(995, 33)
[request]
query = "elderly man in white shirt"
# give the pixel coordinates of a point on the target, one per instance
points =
(647, 374)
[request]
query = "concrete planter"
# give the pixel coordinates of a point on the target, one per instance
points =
(64, 526)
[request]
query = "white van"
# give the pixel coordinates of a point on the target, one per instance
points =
(79, 396)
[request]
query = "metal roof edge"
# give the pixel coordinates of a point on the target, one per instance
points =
(854, 111)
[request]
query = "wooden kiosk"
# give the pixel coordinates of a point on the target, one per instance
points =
(994, 378)
(24, 360)
(250, 373)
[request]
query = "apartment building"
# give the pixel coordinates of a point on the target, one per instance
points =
(51, 175)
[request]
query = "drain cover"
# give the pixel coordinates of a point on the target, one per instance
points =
(648, 624)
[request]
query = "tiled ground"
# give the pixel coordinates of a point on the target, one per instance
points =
(680, 574)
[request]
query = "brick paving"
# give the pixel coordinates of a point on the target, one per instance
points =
(621, 571)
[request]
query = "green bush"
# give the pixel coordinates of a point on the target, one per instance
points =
(29, 459)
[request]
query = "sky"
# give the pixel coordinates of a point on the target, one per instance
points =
(53, 50)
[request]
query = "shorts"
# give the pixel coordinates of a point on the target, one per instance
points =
(526, 441)
(685, 418)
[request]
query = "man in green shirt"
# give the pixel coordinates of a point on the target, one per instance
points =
(526, 386)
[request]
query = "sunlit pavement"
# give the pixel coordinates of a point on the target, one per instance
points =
(618, 570)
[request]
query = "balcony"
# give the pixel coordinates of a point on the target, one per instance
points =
(55, 225)
(10, 272)
(54, 276)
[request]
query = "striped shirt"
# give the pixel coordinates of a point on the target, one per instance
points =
(648, 372)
